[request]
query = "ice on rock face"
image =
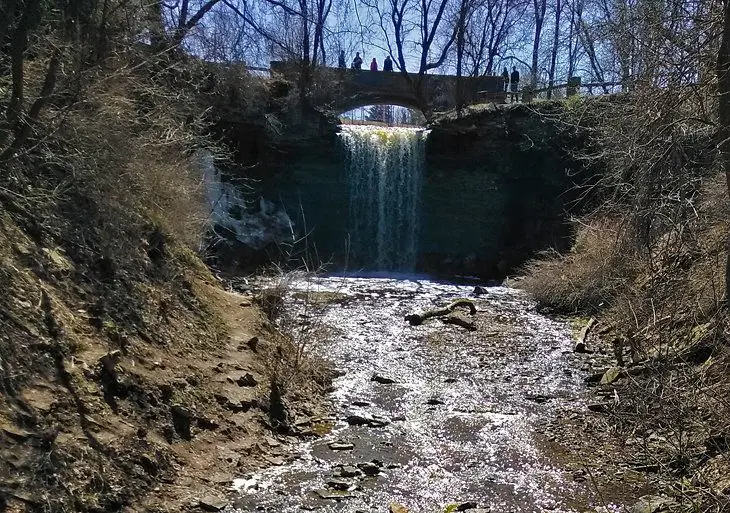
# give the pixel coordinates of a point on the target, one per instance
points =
(255, 228)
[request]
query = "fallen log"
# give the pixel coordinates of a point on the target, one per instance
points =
(458, 321)
(416, 319)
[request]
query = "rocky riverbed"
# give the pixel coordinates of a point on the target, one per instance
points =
(443, 417)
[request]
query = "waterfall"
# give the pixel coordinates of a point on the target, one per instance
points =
(384, 169)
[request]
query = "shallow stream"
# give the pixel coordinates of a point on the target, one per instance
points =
(462, 420)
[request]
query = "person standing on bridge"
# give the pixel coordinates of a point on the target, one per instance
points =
(357, 61)
(373, 65)
(514, 84)
(505, 80)
(388, 63)
(341, 60)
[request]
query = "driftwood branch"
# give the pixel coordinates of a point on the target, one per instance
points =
(459, 321)
(580, 345)
(416, 319)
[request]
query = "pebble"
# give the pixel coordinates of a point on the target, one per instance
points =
(341, 446)
(383, 380)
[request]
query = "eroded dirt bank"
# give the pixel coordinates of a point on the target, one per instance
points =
(435, 416)
(134, 383)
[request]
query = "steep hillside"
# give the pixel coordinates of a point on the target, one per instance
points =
(129, 378)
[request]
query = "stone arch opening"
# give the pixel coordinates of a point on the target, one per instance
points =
(386, 114)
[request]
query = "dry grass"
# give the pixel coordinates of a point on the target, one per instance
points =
(588, 278)
(661, 290)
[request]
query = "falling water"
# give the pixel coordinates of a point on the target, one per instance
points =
(384, 169)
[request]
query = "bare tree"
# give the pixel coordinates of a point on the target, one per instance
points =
(723, 131)
(539, 7)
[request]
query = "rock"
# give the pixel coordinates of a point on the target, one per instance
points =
(253, 343)
(434, 401)
(182, 418)
(396, 508)
(479, 290)
(271, 442)
(538, 398)
(358, 420)
(378, 422)
(234, 401)
(349, 471)
(611, 375)
(338, 484)
(598, 407)
(579, 476)
(383, 380)
(207, 423)
(596, 377)
(212, 503)
(333, 494)
(276, 461)
(341, 446)
(15, 433)
(464, 506)
(369, 468)
(652, 504)
(247, 380)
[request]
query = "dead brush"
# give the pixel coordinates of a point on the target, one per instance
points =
(588, 278)
(292, 367)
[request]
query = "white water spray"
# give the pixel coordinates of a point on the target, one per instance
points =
(384, 172)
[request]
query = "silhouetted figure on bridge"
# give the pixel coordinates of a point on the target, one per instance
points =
(357, 61)
(341, 60)
(373, 65)
(514, 84)
(505, 79)
(388, 63)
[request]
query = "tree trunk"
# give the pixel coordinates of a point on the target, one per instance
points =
(556, 43)
(539, 6)
(723, 91)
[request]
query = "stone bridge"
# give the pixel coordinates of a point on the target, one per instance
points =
(339, 90)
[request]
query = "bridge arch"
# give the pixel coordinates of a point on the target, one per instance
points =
(340, 90)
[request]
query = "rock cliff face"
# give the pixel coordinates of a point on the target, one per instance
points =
(497, 186)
